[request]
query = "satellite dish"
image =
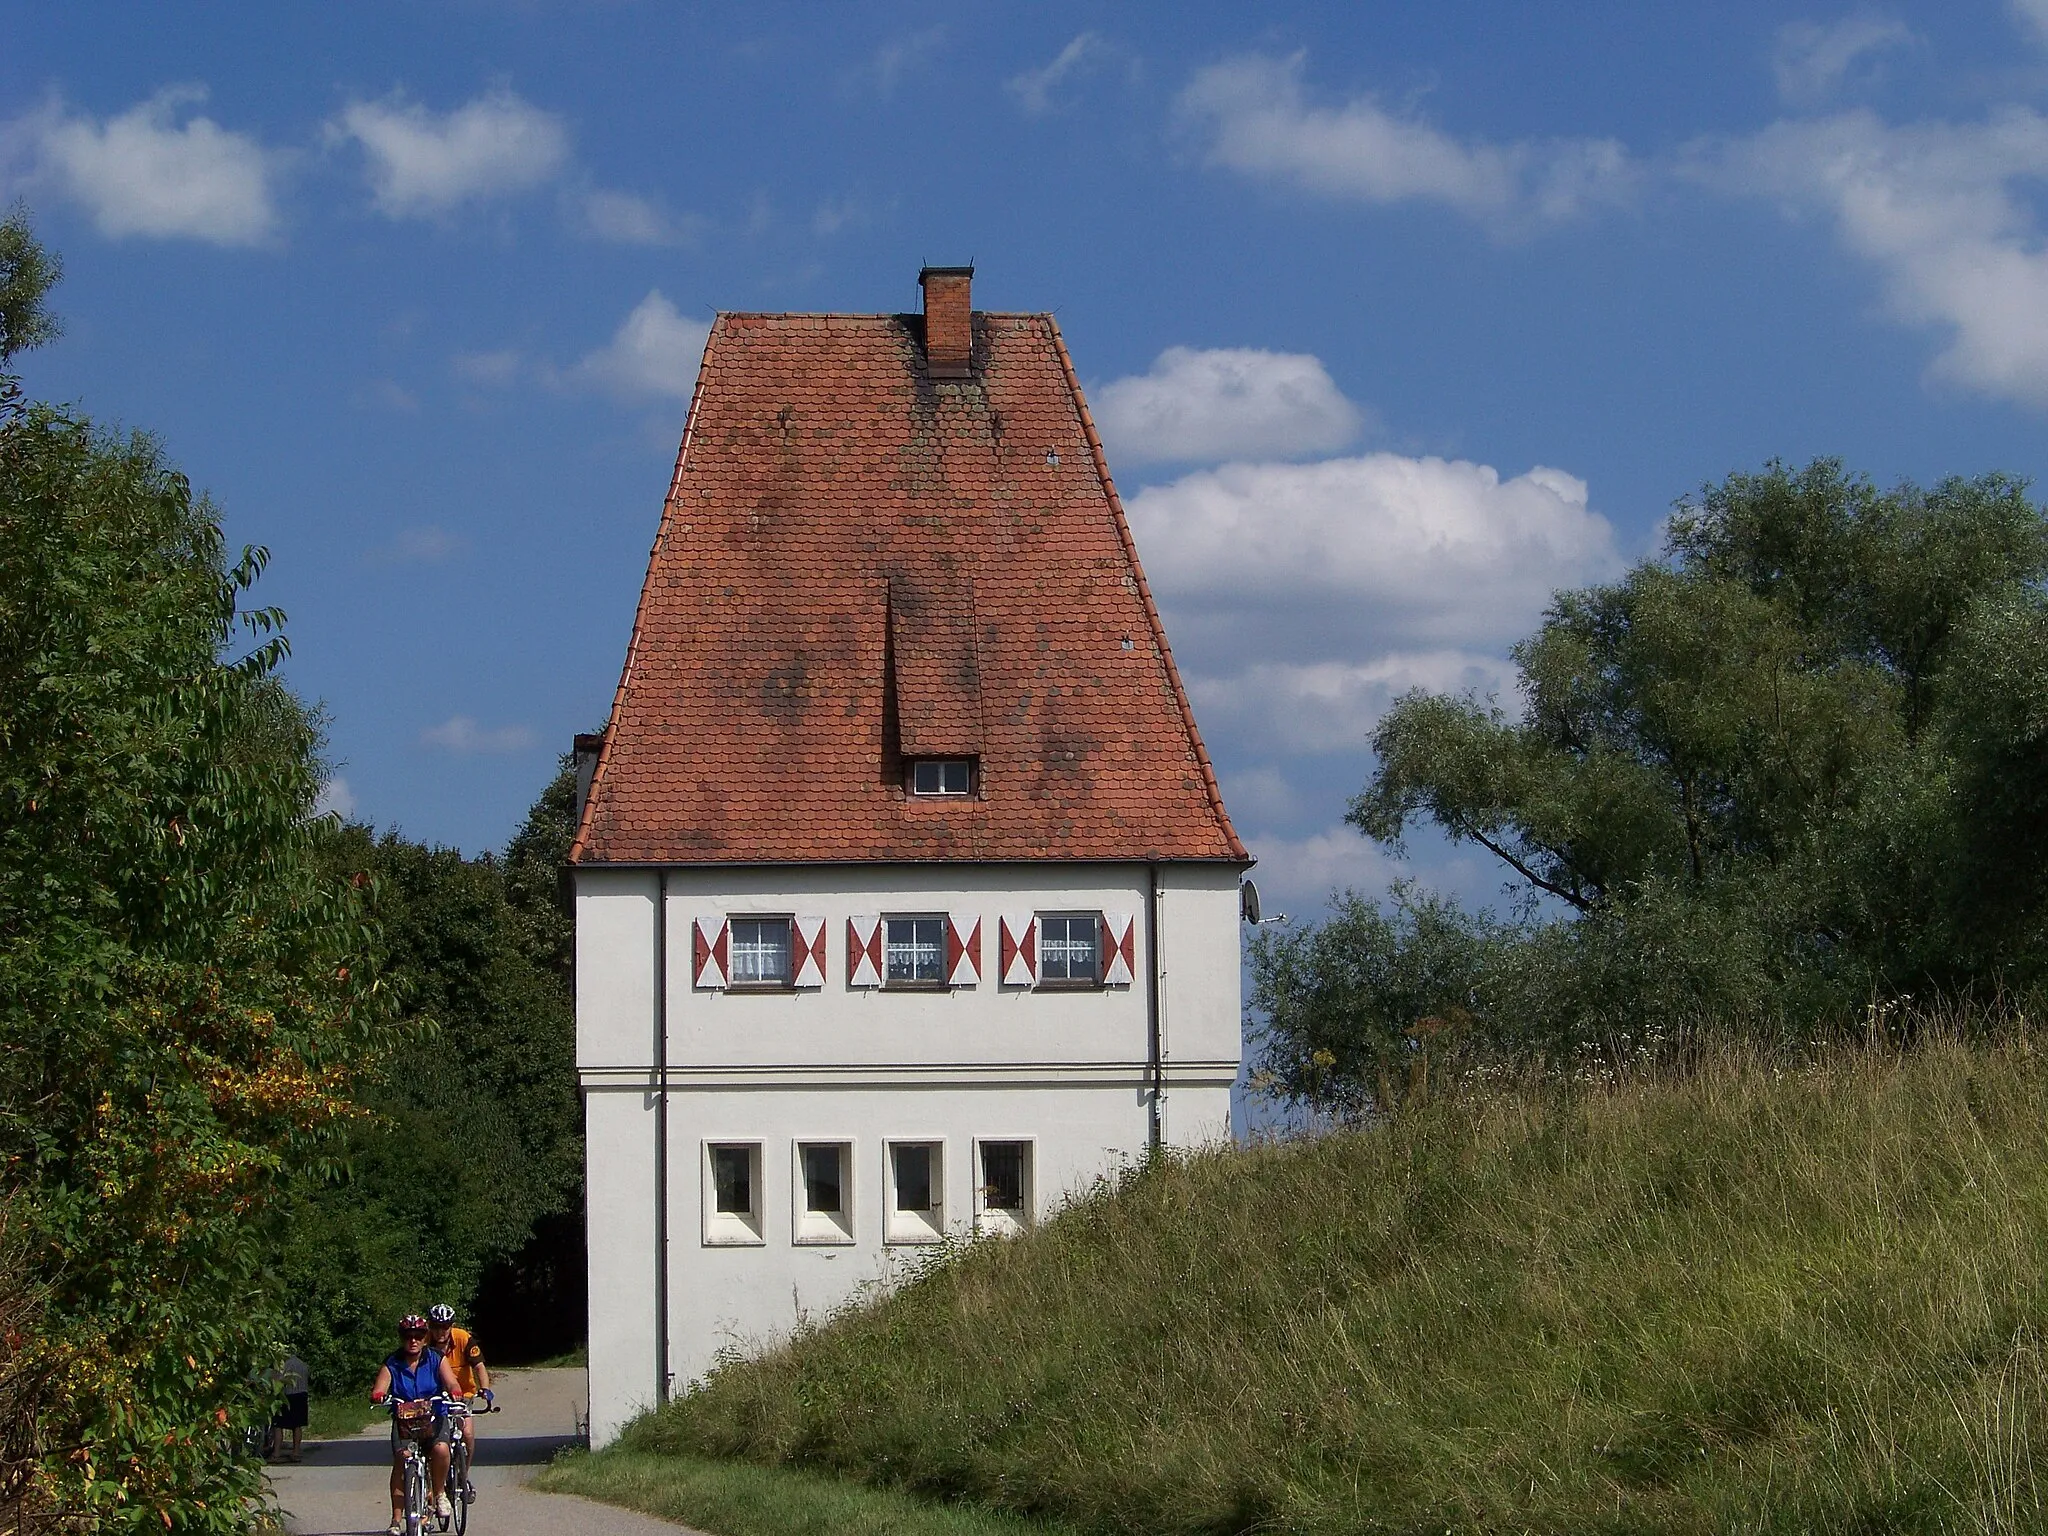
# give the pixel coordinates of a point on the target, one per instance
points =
(1248, 902)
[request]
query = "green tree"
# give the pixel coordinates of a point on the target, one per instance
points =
(186, 982)
(475, 1130)
(1791, 767)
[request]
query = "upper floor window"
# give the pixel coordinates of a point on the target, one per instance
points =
(760, 952)
(942, 776)
(914, 951)
(1070, 949)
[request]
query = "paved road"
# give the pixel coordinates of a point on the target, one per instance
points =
(342, 1488)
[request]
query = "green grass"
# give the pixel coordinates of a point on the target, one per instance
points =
(336, 1418)
(737, 1499)
(1756, 1299)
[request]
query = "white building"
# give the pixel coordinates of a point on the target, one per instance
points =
(906, 902)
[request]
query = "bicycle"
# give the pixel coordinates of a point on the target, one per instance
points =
(461, 1491)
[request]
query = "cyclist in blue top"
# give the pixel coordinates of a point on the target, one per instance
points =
(409, 1378)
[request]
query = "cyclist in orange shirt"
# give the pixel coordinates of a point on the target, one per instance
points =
(465, 1358)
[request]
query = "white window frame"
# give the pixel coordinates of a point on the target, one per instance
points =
(966, 790)
(732, 1229)
(997, 1221)
(935, 983)
(734, 982)
(1068, 983)
(902, 1227)
(810, 1228)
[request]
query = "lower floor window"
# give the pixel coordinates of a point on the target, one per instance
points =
(732, 1206)
(917, 1191)
(824, 1213)
(1004, 1198)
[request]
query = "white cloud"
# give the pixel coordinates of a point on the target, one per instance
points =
(145, 172)
(887, 66)
(336, 799)
(1225, 403)
(495, 369)
(621, 218)
(1811, 61)
(1257, 121)
(427, 163)
(2032, 16)
(1355, 557)
(1333, 706)
(1938, 209)
(1033, 88)
(654, 352)
(461, 733)
(1296, 874)
(1260, 795)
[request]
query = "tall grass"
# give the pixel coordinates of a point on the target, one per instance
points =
(1754, 1298)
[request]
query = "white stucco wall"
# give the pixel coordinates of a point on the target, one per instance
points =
(1064, 1070)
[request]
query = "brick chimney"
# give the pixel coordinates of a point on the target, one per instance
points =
(948, 321)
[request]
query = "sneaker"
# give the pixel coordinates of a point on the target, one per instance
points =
(443, 1508)
(395, 1528)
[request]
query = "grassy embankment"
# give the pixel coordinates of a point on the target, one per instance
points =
(1753, 1299)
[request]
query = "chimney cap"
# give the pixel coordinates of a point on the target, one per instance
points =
(929, 271)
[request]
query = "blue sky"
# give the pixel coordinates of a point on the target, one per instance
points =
(1396, 318)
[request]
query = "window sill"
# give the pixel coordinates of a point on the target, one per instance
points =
(1068, 986)
(916, 986)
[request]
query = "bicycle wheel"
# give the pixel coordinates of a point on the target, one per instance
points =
(460, 1492)
(415, 1493)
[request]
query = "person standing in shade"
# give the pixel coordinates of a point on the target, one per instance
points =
(297, 1382)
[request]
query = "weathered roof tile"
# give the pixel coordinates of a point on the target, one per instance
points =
(858, 563)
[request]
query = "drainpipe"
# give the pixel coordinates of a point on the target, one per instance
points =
(1155, 1055)
(661, 1354)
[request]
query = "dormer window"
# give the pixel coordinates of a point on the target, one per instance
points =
(942, 776)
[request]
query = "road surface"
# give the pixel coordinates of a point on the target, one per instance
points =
(342, 1488)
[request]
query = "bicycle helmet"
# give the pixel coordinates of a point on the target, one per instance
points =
(440, 1314)
(412, 1322)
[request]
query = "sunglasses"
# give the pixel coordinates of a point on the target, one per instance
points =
(412, 1333)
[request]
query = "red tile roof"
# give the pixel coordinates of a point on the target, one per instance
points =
(859, 564)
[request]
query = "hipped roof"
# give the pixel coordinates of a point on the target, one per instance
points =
(858, 564)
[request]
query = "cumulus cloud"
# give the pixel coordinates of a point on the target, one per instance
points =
(336, 799)
(498, 368)
(654, 352)
(424, 163)
(1225, 403)
(1033, 88)
(1256, 119)
(622, 218)
(153, 171)
(1333, 706)
(1356, 557)
(461, 733)
(889, 64)
(1940, 210)
(1811, 61)
(1296, 874)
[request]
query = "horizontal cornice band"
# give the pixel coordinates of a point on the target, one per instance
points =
(1220, 1073)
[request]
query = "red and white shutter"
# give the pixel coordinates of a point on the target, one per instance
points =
(1119, 949)
(713, 959)
(1018, 954)
(963, 951)
(863, 951)
(807, 963)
